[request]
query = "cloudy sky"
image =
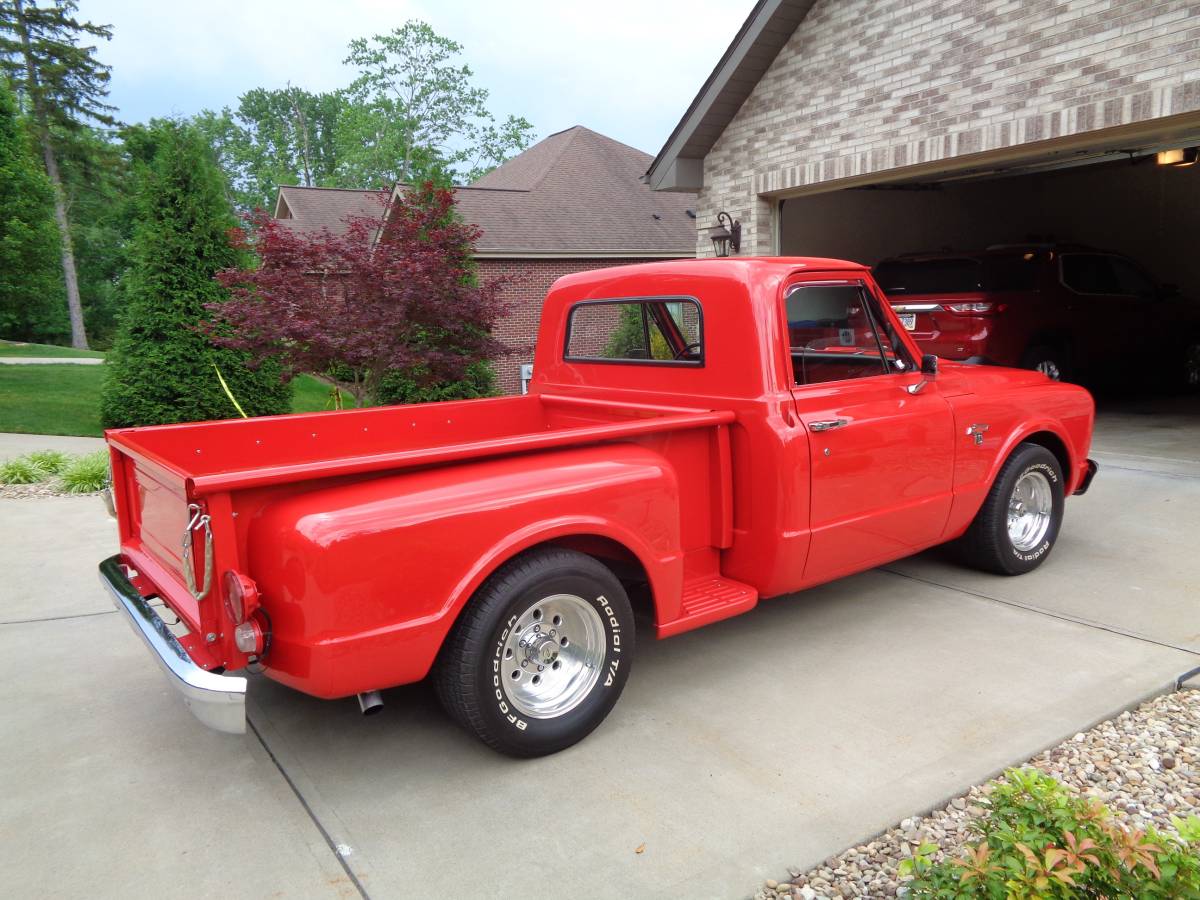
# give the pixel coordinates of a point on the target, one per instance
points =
(625, 68)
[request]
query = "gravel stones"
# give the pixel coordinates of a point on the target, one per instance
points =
(40, 489)
(1144, 763)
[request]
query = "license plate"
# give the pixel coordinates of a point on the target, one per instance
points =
(908, 320)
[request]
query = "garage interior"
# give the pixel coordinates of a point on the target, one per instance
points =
(1126, 199)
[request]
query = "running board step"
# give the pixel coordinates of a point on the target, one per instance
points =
(709, 599)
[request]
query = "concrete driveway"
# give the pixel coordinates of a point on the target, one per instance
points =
(772, 740)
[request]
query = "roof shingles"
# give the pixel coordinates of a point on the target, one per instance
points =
(575, 193)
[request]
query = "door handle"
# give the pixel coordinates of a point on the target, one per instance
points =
(828, 424)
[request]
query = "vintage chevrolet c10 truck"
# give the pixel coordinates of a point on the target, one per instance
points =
(697, 435)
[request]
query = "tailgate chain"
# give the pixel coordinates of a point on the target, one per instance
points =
(198, 519)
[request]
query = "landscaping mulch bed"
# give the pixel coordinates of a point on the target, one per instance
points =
(1144, 764)
(41, 489)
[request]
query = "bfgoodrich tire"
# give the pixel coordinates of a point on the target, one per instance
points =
(539, 655)
(1017, 525)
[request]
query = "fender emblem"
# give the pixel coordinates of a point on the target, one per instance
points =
(976, 431)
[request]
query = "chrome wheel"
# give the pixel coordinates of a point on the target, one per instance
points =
(1050, 369)
(553, 656)
(1029, 510)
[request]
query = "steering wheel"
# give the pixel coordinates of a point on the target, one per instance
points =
(688, 350)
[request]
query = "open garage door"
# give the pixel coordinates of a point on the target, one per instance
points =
(1129, 202)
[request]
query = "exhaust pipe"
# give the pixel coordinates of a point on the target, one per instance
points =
(370, 703)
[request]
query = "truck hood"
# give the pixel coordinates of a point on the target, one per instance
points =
(955, 378)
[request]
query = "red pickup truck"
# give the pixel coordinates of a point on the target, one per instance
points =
(698, 434)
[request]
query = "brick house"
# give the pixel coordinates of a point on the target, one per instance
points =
(865, 129)
(571, 202)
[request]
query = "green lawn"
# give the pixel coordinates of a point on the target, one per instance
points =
(49, 399)
(10, 348)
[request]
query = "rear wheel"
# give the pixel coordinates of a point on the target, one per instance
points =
(1050, 361)
(540, 654)
(1015, 529)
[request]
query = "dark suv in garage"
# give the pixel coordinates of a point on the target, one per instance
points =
(1068, 311)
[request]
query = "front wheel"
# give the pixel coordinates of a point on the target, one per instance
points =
(540, 654)
(1015, 529)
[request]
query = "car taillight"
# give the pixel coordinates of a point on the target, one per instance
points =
(975, 307)
(248, 637)
(241, 595)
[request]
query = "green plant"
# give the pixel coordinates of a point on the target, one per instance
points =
(160, 369)
(1039, 840)
(21, 470)
(52, 462)
(86, 474)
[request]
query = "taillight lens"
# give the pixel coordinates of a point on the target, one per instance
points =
(241, 595)
(248, 637)
(979, 307)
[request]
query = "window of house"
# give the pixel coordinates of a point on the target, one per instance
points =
(836, 332)
(664, 330)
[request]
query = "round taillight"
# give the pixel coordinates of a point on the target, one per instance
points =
(239, 594)
(248, 637)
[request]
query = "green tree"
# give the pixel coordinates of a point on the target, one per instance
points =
(63, 85)
(31, 295)
(161, 368)
(97, 181)
(275, 137)
(415, 114)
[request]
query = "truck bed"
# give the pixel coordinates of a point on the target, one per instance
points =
(240, 453)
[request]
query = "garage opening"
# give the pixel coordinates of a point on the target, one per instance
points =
(1133, 204)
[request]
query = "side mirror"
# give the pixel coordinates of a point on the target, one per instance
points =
(929, 364)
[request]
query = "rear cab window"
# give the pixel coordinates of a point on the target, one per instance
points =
(637, 330)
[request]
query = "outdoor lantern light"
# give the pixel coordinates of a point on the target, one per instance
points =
(1184, 156)
(726, 235)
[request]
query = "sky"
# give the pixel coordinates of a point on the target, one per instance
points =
(624, 68)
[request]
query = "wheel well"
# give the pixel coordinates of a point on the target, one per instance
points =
(1055, 340)
(1055, 445)
(623, 563)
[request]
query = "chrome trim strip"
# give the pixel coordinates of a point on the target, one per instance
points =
(915, 307)
(219, 701)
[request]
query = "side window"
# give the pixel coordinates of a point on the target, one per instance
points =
(1131, 280)
(1089, 273)
(834, 334)
(651, 330)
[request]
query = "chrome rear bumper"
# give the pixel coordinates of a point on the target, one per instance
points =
(219, 701)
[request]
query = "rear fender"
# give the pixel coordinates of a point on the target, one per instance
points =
(363, 580)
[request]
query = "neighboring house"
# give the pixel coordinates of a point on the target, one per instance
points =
(571, 202)
(864, 129)
(310, 209)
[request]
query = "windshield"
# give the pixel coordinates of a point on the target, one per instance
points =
(963, 275)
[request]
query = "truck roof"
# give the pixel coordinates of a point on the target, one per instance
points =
(742, 268)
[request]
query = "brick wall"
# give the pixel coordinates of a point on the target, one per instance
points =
(531, 279)
(865, 86)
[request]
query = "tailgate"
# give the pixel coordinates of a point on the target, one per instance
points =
(168, 539)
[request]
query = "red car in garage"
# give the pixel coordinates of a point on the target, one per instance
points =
(1066, 310)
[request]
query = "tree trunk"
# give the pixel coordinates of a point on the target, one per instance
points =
(67, 252)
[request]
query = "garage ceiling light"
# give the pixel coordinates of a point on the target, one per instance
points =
(1184, 156)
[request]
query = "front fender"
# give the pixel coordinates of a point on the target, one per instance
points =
(1011, 417)
(362, 581)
